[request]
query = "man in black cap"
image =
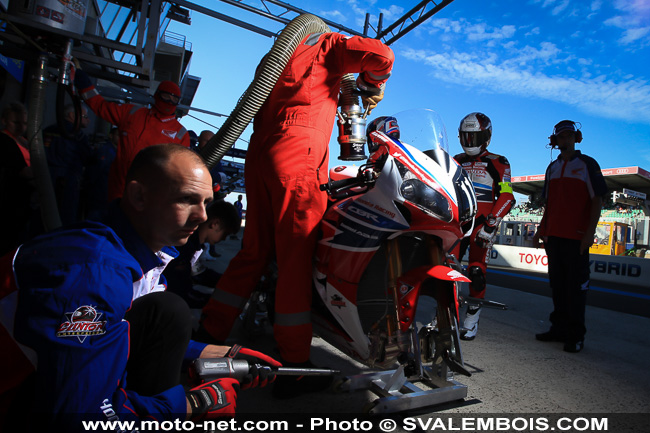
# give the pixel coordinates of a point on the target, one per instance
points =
(573, 189)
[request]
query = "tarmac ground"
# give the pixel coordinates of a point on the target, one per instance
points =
(512, 373)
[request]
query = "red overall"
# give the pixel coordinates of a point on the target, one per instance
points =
(286, 162)
(139, 127)
(490, 174)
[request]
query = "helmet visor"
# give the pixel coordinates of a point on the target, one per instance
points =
(474, 139)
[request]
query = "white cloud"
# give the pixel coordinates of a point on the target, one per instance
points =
(546, 54)
(392, 14)
(599, 96)
(558, 9)
(633, 35)
(473, 32)
(636, 11)
(632, 17)
(447, 25)
(596, 5)
(334, 15)
(533, 32)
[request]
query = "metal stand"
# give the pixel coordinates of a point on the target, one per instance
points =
(398, 394)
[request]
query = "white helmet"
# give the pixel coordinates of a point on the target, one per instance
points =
(475, 132)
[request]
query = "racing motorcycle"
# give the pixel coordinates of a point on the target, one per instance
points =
(385, 243)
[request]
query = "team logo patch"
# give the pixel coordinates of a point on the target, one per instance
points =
(82, 322)
(169, 133)
(337, 301)
(455, 275)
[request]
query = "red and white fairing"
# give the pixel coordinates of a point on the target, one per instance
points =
(413, 192)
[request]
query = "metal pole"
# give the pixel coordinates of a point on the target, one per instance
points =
(42, 179)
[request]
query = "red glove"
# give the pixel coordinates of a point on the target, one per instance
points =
(258, 375)
(214, 399)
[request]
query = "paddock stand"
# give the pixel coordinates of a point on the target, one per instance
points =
(399, 394)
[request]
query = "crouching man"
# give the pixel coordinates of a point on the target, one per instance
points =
(98, 336)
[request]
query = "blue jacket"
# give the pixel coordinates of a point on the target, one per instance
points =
(74, 287)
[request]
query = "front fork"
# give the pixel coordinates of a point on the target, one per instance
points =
(438, 341)
(401, 348)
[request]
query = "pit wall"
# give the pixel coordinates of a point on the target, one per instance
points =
(622, 269)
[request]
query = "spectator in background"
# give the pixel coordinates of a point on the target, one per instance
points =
(67, 152)
(139, 127)
(95, 188)
(240, 206)
(186, 270)
(217, 173)
(16, 180)
(218, 179)
(194, 140)
(574, 188)
(204, 137)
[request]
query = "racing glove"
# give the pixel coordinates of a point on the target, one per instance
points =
(487, 232)
(214, 399)
(369, 89)
(82, 80)
(258, 375)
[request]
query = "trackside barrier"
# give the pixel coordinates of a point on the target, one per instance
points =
(621, 269)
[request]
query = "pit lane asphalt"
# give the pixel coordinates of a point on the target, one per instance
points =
(512, 373)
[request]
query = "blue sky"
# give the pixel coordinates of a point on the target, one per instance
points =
(527, 64)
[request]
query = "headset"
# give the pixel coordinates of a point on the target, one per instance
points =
(563, 126)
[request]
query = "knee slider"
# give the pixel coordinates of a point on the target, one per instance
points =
(477, 277)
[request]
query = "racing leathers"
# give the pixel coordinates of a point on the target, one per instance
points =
(139, 127)
(64, 300)
(490, 175)
(286, 162)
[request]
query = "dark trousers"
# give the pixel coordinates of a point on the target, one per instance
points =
(160, 332)
(568, 274)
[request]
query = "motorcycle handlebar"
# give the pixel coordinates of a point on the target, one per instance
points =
(336, 185)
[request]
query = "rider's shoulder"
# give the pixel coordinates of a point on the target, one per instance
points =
(500, 158)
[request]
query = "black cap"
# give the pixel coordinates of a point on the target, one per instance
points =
(565, 125)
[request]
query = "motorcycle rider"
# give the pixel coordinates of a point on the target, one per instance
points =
(490, 174)
(386, 124)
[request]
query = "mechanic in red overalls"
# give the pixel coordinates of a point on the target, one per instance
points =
(490, 174)
(286, 162)
(139, 127)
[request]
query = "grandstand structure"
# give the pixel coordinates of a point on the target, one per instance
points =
(635, 178)
(629, 188)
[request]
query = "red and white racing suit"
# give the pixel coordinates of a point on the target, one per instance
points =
(286, 162)
(490, 175)
(139, 127)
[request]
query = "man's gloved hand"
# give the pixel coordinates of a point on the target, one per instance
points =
(81, 80)
(370, 102)
(259, 375)
(214, 399)
(371, 95)
(487, 232)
